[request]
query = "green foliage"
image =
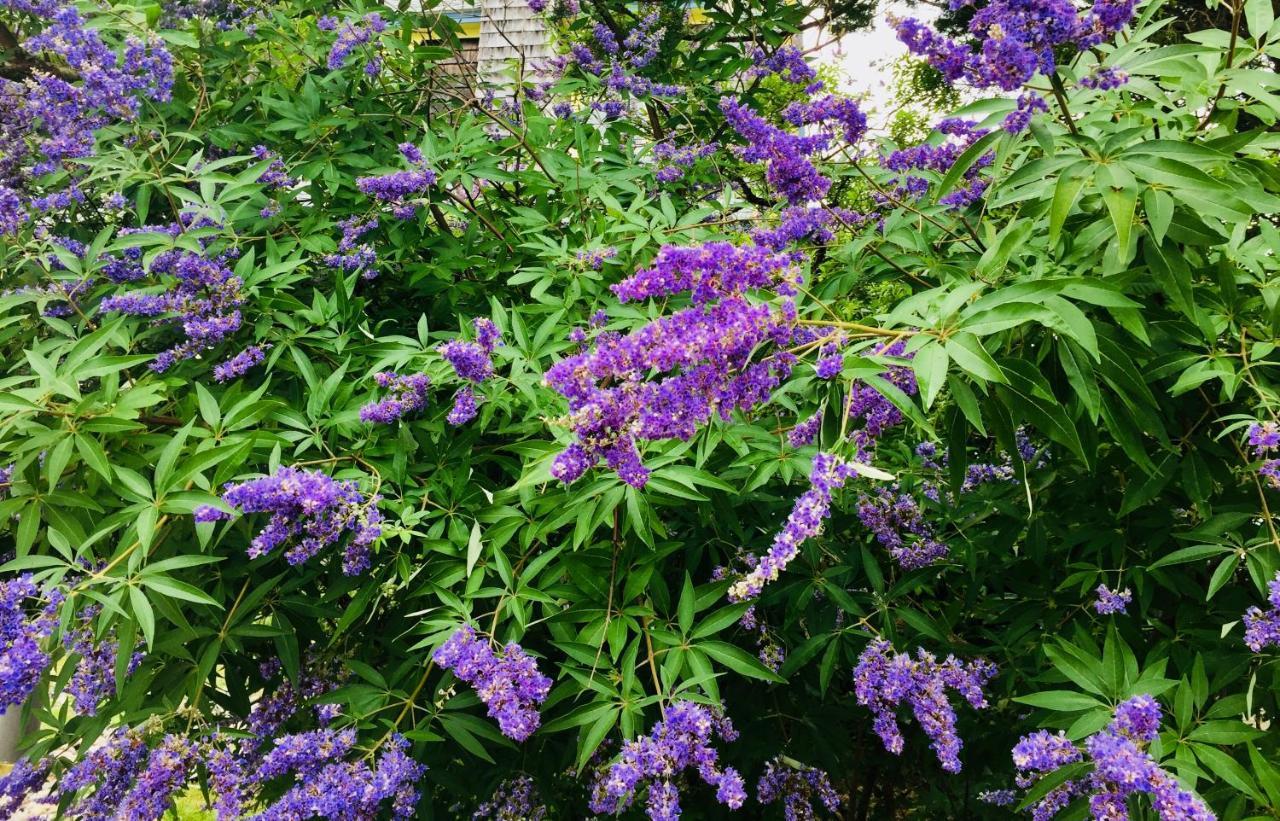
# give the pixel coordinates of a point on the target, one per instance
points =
(1115, 295)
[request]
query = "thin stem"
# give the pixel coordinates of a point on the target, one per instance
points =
(1060, 94)
(1236, 7)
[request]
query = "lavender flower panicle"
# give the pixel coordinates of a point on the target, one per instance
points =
(1111, 601)
(1121, 768)
(508, 682)
(406, 394)
(797, 786)
(309, 508)
(682, 740)
(884, 680)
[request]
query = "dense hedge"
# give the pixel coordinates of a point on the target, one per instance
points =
(647, 434)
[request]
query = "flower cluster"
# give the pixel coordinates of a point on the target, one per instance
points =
(23, 659)
(1111, 601)
(1015, 40)
(682, 740)
(1262, 627)
(353, 34)
(309, 508)
(203, 300)
(595, 258)
(240, 364)
(665, 379)
(515, 799)
(797, 786)
(787, 63)
(406, 394)
(673, 160)
(872, 408)
(473, 362)
(885, 679)
(901, 526)
(508, 682)
(1105, 79)
(1121, 768)
(788, 169)
(94, 678)
(805, 432)
(938, 157)
(22, 780)
(829, 473)
(400, 187)
(1263, 439)
(48, 119)
(274, 176)
(352, 254)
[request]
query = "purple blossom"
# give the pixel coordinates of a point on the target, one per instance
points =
(1015, 39)
(23, 779)
(672, 160)
(202, 298)
(406, 395)
(343, 790)
(240, 364)
(352, 34)
(165, 773)
(309, 509)
(353, 255)
(508, 681)
(682, 740)
(23, 659)
(807, 516)
(797, 786)
(805, 432)
(399, 187)
(464, 408)
(1262, 627)
(274, 177)
(595, 258)
(1121, 768)
(515, 799)
(898, 523)
(884, 680)
(1111, 601)
(788, 63)
(668, 377)
(1105, 79)
(471, 360)
(108, 769)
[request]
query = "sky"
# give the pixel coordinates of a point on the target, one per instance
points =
(864, 57)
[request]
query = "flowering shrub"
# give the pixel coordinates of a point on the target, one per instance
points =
(649, 436)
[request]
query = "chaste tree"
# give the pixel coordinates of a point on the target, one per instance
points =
(639, 432)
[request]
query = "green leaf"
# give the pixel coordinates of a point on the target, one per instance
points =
(1228, 769)
(719, 620)
(474, 547)
(1224, 732)
(930, 366)
(685, 607)
(1260, 15)
(1189, 554)
(176, 589)
(142, 612)
(1065, 194)
(590, 741)
(1029, 394)
(1062, 701)
(1051, 781)
(964, 162)
(969, 354)
(739, 660)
